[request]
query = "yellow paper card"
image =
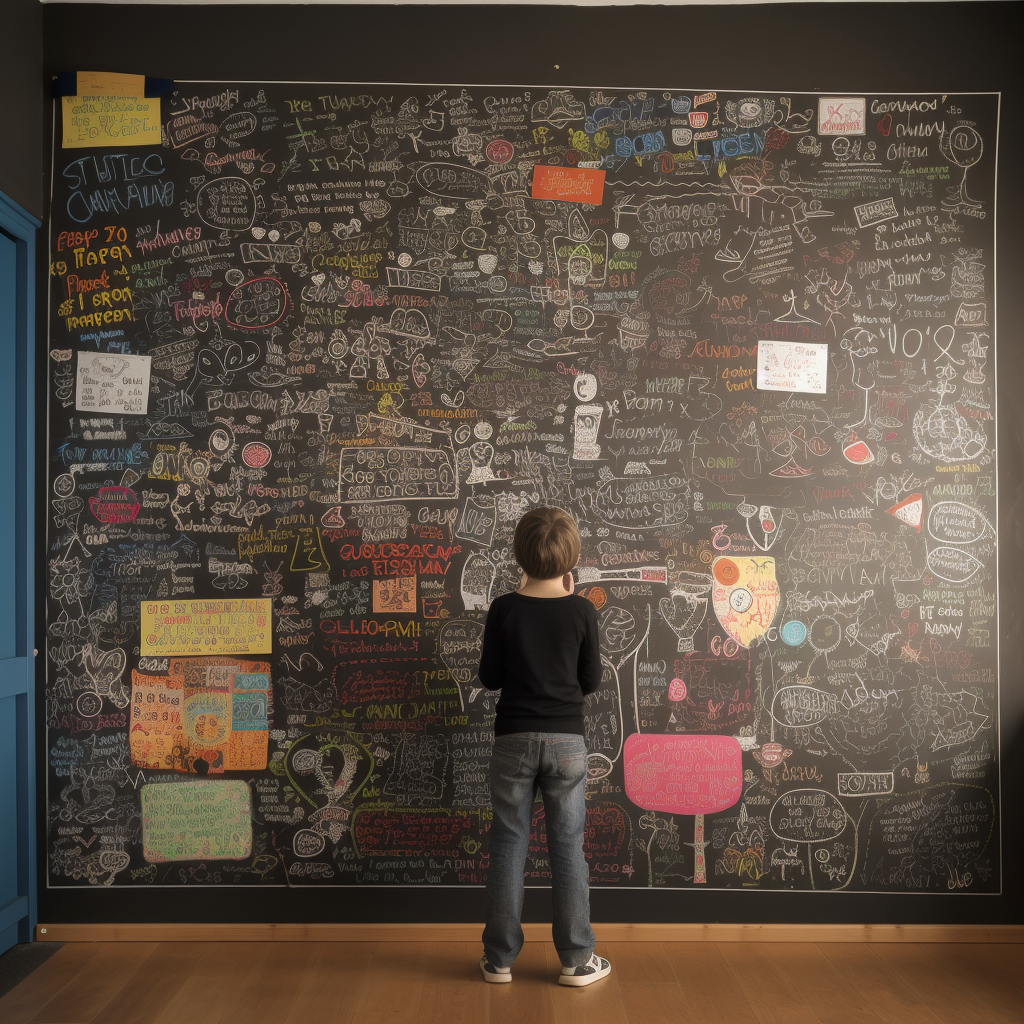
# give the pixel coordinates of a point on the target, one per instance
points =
(110, 110)
(213, 626)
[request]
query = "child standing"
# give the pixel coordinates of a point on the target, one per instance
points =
(541, 649)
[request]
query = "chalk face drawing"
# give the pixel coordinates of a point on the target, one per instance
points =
(313, 355)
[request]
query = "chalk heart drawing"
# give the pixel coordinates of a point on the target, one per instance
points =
(745, 596)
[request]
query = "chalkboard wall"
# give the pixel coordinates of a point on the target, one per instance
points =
(312, 356)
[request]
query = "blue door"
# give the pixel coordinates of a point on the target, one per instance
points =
(17, 668)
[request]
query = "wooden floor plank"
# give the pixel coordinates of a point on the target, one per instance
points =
(440, 983)
(984, 977)
(143, 995)
(827, 990)
(1005, 959)
(955, 996)
(599, 1003)
(775, 996)
(884, 991)
(215, 982)
(659, 1003)
(45, 982)
(395, 984)
(96, 984)
(641, 963)
(454, 991)
(268, 991)
(650, 990)
(331, 983)
(707, 986)
(528, 1000)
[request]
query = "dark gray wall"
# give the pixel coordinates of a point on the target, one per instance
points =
(832, 48)
(21, 112)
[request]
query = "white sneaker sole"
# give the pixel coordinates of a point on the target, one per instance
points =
(579, 980)
(496, 979)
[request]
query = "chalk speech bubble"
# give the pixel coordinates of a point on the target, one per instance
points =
(228, 203)
(807, 816)
(459, 645)
(952, 564)
(681, 774)
(956, 523)
(796, 706)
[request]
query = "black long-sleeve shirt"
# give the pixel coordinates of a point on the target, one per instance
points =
(543, 653)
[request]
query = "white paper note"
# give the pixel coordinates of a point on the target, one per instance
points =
(792, 366)
(112, 383)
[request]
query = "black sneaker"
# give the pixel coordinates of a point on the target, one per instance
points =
(497, 975)
(593, 970)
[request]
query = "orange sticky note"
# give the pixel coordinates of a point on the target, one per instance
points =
(568, 184)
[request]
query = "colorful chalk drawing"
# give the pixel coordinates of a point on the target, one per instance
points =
(359, 330)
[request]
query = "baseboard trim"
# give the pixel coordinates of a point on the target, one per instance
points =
(203, 932)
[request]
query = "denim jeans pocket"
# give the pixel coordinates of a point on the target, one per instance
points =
(571, 758)
(510, 759)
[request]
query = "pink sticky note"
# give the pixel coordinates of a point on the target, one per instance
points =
(683, 774)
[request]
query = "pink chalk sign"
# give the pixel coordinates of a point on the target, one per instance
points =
(683, 774)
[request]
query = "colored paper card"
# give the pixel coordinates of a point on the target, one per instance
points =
(568, 184)
(204, 715)
(909, 511)
(196, 820)
(110, 83)
(792, 366)
(110, 110)
(842, 115)
(113, 384)
(214, 626)
(680, 774)
(745, 596)
(394, 594)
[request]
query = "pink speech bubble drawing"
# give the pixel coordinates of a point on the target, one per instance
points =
(683, 774)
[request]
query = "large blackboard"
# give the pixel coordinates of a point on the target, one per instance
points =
(380, 322)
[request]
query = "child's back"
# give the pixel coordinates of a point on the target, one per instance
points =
(543, 654)
(541, 649)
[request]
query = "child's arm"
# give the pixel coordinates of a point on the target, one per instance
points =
(588, 665)
(490, 655)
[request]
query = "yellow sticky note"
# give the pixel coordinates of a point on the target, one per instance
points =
(207, 626)
(110, 83)
(110, 110)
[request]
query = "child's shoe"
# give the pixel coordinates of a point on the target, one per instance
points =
(497, 975)
(593, 970)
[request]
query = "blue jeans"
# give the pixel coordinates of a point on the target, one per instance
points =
(557, 763)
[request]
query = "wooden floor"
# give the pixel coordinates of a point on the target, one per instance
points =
(440, 983)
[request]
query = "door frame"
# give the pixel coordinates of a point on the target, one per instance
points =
(17, 674)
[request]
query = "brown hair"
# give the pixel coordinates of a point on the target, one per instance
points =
(547, 543)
